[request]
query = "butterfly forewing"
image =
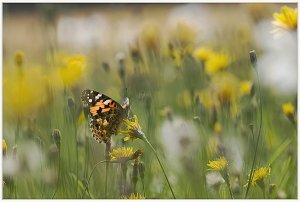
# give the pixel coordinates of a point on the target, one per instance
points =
(105, 114)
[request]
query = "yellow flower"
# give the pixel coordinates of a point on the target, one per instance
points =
(124, 154)
(121, 153)
(246, 87)
(259, 175)
(219, 164)
(73, 69)
(217, 128)
(287, 19)
(23, 94)
(134, 196)
(216, 62)
(202, 54)
(288, 109)
(133, 131)
(4, 147)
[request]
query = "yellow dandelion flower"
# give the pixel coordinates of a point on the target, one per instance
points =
(259, 175)
(124, 154)
(287, 19)
(73, 69)
(202, 54)
(288, 109)
(134, 196)
(217, 128)
(246, 87)
(216, 63)
(23, 94)
(121, 153)
(133, 130)
(219, 164)
(4, 147)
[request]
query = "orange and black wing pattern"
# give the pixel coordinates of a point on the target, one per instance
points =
(105, 114)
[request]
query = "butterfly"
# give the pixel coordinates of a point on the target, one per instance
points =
(105, 114)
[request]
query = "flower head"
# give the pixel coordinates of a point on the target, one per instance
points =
(124, 154)
(133, 130)
(287, 19)
(24, 94)
(202, 54)
(72, 69)
(216, 62)
(219, 164)
(259, 175)
(246, 87)
(134, 196)
(289, 111)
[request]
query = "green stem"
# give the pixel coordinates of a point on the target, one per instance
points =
(124, 172)
(107, 150)
(259, 134)
(229, 188)
(57, 183)
(88, 182)
(145, 139)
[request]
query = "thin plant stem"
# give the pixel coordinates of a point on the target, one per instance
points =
(150, 145)
(58, 178)
(124, 171)
(88, 182)
(107, 151)
(76, 156)
(258, 137)
(229, 188)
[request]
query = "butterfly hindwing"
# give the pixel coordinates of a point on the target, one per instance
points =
(105, 114)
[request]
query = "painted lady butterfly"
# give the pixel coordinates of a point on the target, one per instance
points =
(105, 114)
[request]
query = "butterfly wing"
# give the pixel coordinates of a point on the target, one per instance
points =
(105, 114)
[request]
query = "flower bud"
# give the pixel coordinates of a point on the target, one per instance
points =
(56, 137)
(253, 58)
(19, 58)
